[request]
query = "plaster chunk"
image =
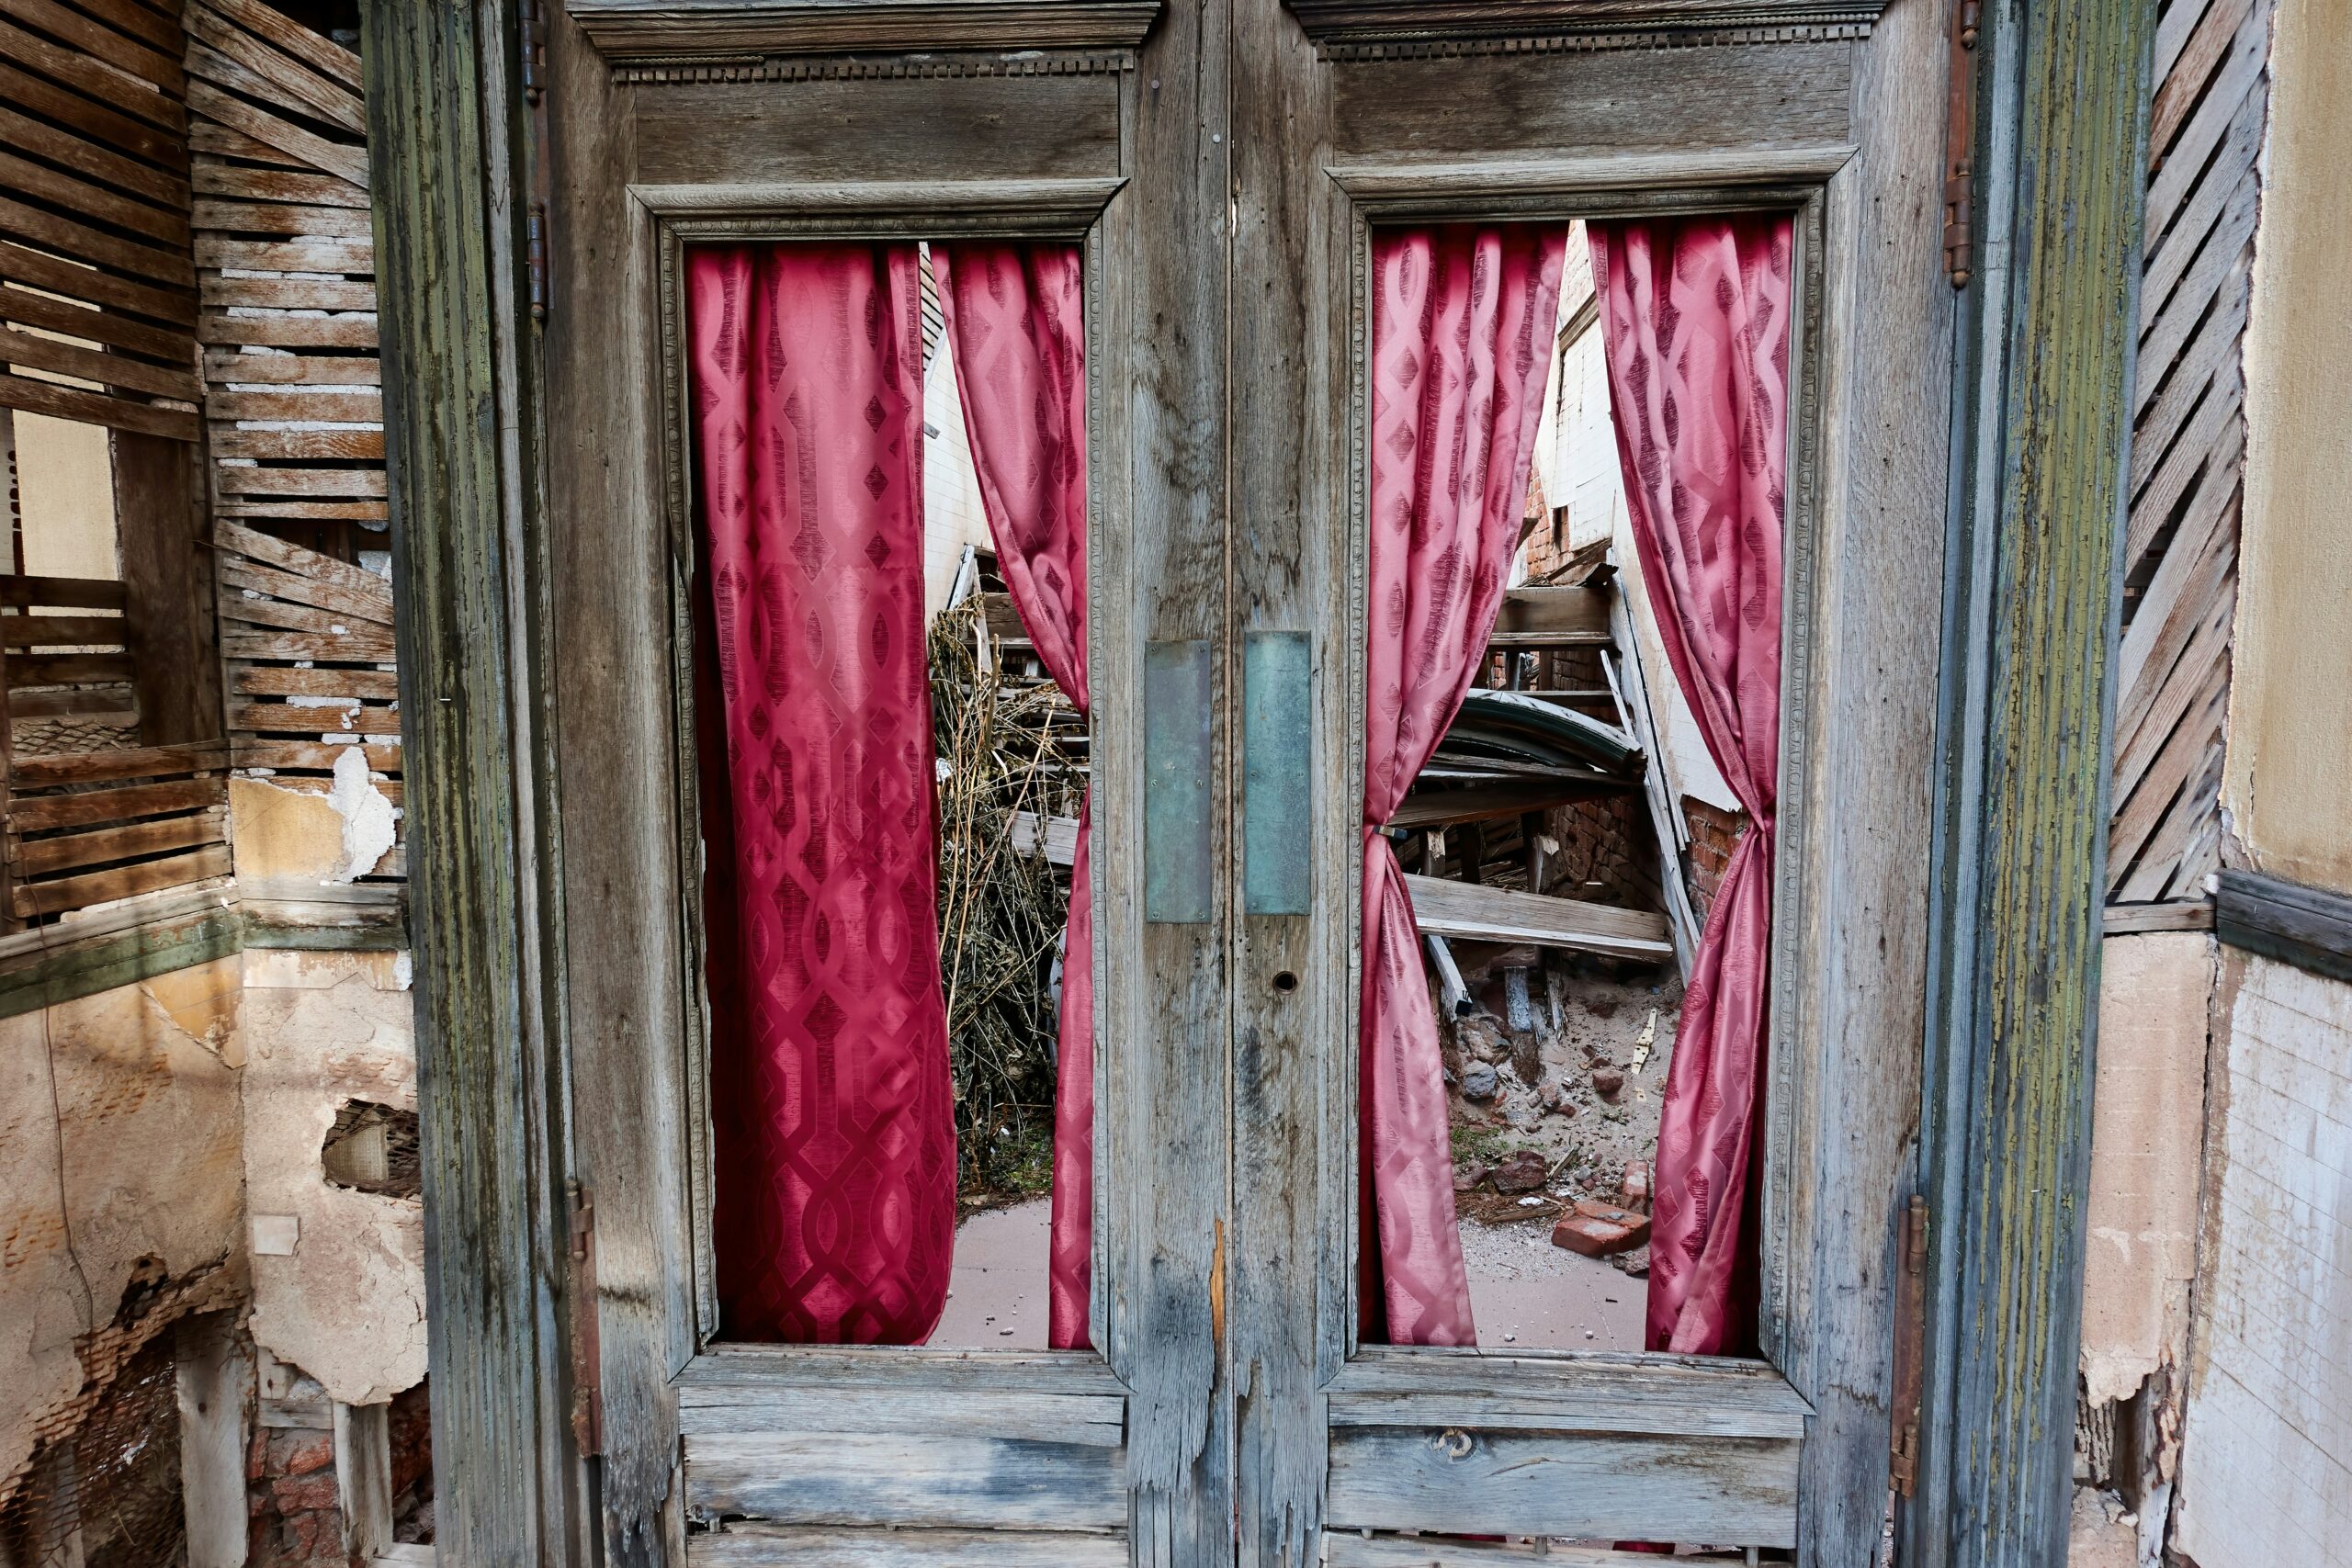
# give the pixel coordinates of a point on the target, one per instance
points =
(346, 1303)
(2147, 1146)
(289, 838)
(367, 816)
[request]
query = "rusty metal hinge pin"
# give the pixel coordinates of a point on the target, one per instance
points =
(1908, 1383)
(587, 1390)
(1960, 172)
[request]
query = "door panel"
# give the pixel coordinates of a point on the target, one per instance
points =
(1225, 169)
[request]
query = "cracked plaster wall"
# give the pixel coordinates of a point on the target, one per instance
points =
(155, 1121)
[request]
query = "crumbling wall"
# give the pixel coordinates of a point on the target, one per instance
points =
(338, 1272)
(120, 1189)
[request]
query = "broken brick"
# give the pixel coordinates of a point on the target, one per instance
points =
(1523, 1172)
(1636, 1188)
(1595, 1229)
(1609, 1082)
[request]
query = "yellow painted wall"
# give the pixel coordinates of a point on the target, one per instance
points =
(66, 495)
(2289, 786)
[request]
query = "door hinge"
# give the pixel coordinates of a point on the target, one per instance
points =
(534, 51)
(587, 1379)
(534, 257)
(1910, 1345)
(1960, 169)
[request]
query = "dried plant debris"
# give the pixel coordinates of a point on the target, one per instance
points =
(1006, 744)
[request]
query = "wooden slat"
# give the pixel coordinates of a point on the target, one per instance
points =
(68, 670)
(91, 75)
(123, 882)
(314, 511)
(321, 55)
(320, 253)
(317, 151)
(1553, 617)
(1087, 1420)
(287, 718)
(154, 24)
(756, 1545)
(910, 1482)
(258, 609)
(95, 159)
(222, 216)
(97, 767)
(35, 813)
(62, 631)
(296, 446)
(316, 755)
(207, 140)
(103, 203)
(96, 408)
(327, 408)
(34, 268)
(61, 592)
(1498, 914)
(1463, 1481)
(349, 588)
(151, 143)
(361, 686)
(172, 344)
(286, 293)
(2180, 915)
(240, 480)
(128, 840)
(276, 76)
(31, 351)
(357, 331)
(1350, 1550)
(363, 642)
(157, 264)
(74, 27)
(212, 178)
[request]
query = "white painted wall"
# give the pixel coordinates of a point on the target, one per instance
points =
(953, 514)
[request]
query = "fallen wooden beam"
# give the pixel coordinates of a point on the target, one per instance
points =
(1425, 808)
(1061, 836)
(1462, 910)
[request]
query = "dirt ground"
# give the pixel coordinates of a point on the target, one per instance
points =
(1553, 1094)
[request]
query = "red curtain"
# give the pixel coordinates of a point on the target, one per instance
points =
(835, 1147)
(1694, 315)
(1462, 327)
(1016, 324)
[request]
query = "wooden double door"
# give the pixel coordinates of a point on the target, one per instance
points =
(1224, 163)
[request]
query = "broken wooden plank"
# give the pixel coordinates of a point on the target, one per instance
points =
(363, 644)
(39, 814)
(1552, 617)
(1500, 913)
(62, 316)
(2182, 915)
(41, 352)
(96, 408)
(103, 704)
(363, 591)
(1060, 836)
(123, 882)
(98, 767)
(327, 716)
(292, 369)
(277, 680)
(321, 55)
(352, 330)
(330, 157)
(63, 631)
(1482, 803)
(318, 756)
(357, 603)
(237, 60)
(122, 841)
(68, 670)
(210, 178)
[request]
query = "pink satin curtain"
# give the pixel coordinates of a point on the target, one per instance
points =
(1016, 324)
(835, 1146)
(1462, 327)
(1694, 315)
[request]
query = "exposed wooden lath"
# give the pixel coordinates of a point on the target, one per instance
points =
(2188, 442)
(98, 298)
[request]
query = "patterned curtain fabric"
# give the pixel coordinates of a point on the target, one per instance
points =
(1695, 328)
(1462, 327)
(830, 1102)
(1016, 323)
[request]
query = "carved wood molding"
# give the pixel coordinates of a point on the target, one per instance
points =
(1378, 29)
(633, 32)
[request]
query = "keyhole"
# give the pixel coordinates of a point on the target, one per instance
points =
(1286, 983)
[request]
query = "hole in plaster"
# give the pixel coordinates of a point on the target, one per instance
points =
(372, 1148)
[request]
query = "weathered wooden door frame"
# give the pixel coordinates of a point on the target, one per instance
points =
(2030, 563)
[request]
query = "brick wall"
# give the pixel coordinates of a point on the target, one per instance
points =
(1607, 855)
(1714, 833)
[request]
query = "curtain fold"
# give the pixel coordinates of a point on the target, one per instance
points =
(834, 1144)
(1461, 328)
(1694, 314)
(1016, 323)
